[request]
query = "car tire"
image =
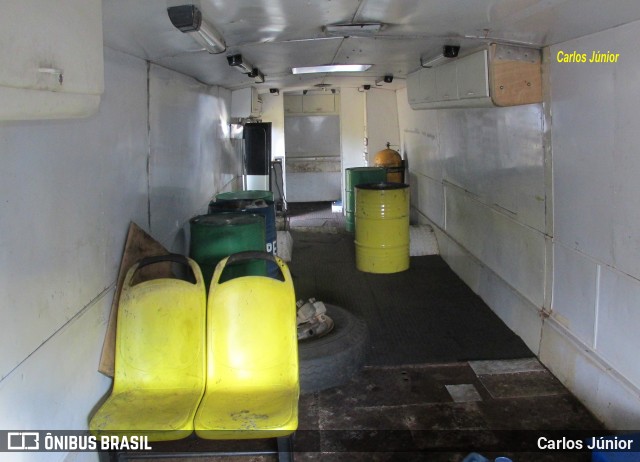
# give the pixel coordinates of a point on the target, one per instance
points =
(332, 359)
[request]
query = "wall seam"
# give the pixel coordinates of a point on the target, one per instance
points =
(62, 327)
(149, 147)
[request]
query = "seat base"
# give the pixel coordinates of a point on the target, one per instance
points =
(195, 447)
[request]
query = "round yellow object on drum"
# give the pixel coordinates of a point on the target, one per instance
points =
(382, 227)
(392, 162)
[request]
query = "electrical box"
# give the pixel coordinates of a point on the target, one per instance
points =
(246, 103)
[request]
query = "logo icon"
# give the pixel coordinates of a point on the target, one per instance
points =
(23, 441)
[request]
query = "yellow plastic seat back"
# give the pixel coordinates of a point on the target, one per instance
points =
(160, 356)
(252, 356)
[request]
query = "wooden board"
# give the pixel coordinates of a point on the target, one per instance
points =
(514, 82)
(138, 245)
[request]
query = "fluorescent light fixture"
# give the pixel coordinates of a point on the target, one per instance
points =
(448, 52)
(331, 68)
(188, 19)
(240, 64)
(353, 29)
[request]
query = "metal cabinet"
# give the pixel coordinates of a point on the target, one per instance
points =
(292, 104)
(500, 76)
(446, 83)
(318, 104)
(472, 76)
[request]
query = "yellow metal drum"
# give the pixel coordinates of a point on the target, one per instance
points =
(382, 227)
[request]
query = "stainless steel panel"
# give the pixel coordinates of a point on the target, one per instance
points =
(312, 136)
(618, 320)
(583, 143)
(575, 292)
(69, 190)
(497, 155)
(513, 251)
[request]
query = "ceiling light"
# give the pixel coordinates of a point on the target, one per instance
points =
(353, 29)
(188, 19)
(448, 52)
(331, 68)
(240, 64)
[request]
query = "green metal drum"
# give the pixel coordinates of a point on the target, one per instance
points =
(214, 237)
(353, 177)
(253, 194)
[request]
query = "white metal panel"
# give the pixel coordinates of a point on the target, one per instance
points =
(57, 386)
(626, 161)
(420, 144)
(414, 93)
(618, 320)
(40, 81)
(352, 128)
(382, 121)
(514, 252)
(184, 119)
(69, 190)
(607, 394)
(575, 292)
(583, 141)
(473, 75)
(273, 111)
(312, 136)
(427, 195)
(352, 120)
(446, 82)
(497, 155)
(428, 89)
(313, 186)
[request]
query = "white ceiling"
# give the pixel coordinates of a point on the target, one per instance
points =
(275, 35)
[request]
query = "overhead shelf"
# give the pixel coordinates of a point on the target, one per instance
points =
(498, 76)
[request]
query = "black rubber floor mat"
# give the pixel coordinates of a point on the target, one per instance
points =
(423, 315)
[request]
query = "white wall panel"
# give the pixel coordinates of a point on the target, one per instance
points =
(427, 195)
(420, 146)
(69, 189)
(351, 128)
(57, 386)
(594, 145)
(382, 121)
(583, 140)
(618, 320)
(184, 119)
(497, 155)
(273, 111)
(478, 176)
(626, 161)
(575, 292)
(513, 251)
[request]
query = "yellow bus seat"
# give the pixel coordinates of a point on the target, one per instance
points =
(159, 374)
(252, 384)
